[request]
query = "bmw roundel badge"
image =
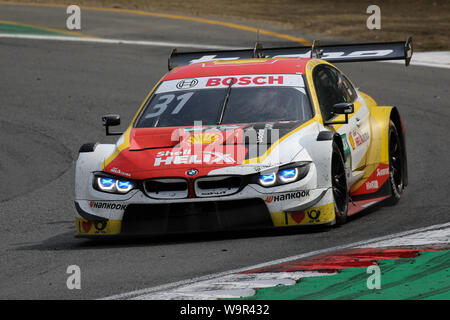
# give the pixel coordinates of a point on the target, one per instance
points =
(191, 172)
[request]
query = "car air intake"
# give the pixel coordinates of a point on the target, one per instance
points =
(150, 219)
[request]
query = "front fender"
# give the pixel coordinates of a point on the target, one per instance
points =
(87, 163)
(320, 151)
(378, 152)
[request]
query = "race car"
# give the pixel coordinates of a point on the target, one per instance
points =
(241, 139)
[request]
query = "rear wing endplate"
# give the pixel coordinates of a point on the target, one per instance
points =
(331, 53)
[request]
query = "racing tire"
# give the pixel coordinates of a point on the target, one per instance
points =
(396, 165)
(339, 185)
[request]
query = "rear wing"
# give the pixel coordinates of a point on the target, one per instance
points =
(331, 53)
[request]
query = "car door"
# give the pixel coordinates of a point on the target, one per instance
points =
(334, 87)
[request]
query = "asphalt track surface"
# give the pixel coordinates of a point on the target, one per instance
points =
(52, 97)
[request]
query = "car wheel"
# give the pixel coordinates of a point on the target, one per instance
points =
(339, 185)
(396, 164)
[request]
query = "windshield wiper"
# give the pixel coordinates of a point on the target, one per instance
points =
(225, 102)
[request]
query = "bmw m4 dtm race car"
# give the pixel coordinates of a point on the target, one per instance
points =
(246, 139)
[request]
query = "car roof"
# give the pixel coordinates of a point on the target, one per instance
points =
(239, 67)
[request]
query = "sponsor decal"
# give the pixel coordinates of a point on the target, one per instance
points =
(212, 128)
(86, 225)
(118, 171)
(246, 80)
(346, 146)
(376, 180)
(325, 55)
(372, 185)
(209, 157)
(357, 138)
(187, 83)
(107, 205)
(382, 172)
(261, 167)
(342, 54)
(348, 158)
(313, 215)
(352, 143)
(298, 217)
(318, 214)
(100, 225)
(204, 138)
(255, 80)
(287, 196)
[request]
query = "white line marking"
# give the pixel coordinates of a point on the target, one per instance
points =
(440, 236)
(436, 59)
(231, 286)
(118, 41)
(169, 286)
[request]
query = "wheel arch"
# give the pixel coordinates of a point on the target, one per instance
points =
(321, 152)
(378, 152)
(397, 120)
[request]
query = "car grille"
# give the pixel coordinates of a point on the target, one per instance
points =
(217, 186)
(195, 216)
(169, 188)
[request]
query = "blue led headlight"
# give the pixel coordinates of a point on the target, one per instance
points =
(267, 179)
(285, 174)
(288, 175)
(105, 183)
(124, 186)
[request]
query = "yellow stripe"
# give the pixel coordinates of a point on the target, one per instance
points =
(55, 30)
(177, 17)
(119, 148)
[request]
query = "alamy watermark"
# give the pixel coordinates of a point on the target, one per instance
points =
(73, 21)
(374, 280)
(74, 279)
(374, 20)
(220, 144)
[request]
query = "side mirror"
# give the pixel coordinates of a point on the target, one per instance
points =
(111, 120)
(345, 108)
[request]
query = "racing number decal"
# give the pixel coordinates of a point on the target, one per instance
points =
(167, 99)
(161, 107)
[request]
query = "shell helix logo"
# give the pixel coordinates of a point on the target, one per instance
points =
(204, 138)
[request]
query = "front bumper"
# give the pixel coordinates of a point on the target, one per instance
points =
(152, 217)
(297, 203)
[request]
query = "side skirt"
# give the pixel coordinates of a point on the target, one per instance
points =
(360, 205)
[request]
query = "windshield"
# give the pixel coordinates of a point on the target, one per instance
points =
(246, 104)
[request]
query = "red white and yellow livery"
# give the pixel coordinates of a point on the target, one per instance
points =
(246, 139)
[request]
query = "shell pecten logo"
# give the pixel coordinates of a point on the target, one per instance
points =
(204, 138)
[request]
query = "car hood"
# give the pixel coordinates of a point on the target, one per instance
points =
(172, 151)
